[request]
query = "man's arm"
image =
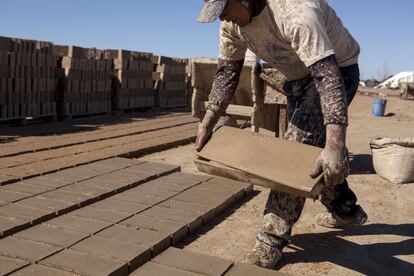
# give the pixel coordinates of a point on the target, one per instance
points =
(225, 84)
(330, 85)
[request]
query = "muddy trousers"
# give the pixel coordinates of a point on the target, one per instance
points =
(306, 126)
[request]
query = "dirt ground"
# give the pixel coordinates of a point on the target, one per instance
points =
(384, 246)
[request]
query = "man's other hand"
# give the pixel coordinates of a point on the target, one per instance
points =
(333, 161)
(333, 164)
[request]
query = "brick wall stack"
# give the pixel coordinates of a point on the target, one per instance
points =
(134, 84)
(172, 82)
(85, 81)
(27, 79)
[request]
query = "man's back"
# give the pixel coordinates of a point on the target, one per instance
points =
(291, 35)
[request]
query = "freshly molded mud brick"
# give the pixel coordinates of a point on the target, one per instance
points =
(132, 254)
(177, 230)
(80, 172)
(51, 235)
(199, 198)
(27, 188)
(89, 191)
(12, 196)
(151, 192)
(66, 176)
(76, 198)
(131, 178)
(116, 163)
(9, 226)
(48, 182)
(85, 264)
(107, 182)
(159, 184)
(228, 183)
(207, 212)
(193, 219)
(186, 179)
(157, 169)
(145, 238)
(9, 265)
(48, 204)
(25, 213)
(153, 269)
(105, 215)
(249, 270)
(42, 270)
(136, 198)
(25, 249)
(78, 224)
(118, 205)
(193, 262)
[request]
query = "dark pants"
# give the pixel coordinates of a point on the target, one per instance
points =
(306, 126)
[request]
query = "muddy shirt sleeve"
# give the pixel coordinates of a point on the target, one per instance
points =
(225, 84)
(230, 63)
(330, 85)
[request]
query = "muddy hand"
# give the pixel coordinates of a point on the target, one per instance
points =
(203, 136)
(333, 164)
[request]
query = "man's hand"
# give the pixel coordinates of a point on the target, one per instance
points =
(202, 137)
(333, 161)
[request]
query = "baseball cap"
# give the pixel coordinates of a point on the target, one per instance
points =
(211, 11)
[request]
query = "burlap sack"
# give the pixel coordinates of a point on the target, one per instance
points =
(393, 159)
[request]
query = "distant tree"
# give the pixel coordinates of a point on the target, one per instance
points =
(384, 74)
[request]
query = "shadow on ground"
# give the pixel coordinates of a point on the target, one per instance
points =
(219, 219)
(11, 133)
(377, 258)
(361, 164)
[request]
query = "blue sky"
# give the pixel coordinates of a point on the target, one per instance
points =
(384, 28)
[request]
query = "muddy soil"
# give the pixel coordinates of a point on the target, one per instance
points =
(384, 246)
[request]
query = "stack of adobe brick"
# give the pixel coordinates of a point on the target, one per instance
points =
(171, 82)
(134, 84)
(84, 81)
(27, 79)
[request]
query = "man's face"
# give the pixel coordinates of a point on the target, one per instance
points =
(236, 13)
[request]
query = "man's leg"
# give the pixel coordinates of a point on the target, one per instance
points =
(340, 201)
(282, 209)
(281, 213)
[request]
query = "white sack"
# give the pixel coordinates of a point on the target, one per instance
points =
(393, 159)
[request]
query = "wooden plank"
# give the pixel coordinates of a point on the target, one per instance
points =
(285, 163)
(214, 168)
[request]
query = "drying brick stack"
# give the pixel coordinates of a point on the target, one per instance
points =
(134, 84)
(172, 82)
(27, 80)
(85, 81)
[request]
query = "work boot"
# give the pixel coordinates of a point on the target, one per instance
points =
(331, 220)
(264, 255)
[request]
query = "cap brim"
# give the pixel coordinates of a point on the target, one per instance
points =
(211, 11)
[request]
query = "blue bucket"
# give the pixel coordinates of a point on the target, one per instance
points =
(378, 107)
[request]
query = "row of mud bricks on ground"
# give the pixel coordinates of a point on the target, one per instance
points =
(39, 79)
(113, 217)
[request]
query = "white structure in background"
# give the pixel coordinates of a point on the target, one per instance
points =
(394, 82)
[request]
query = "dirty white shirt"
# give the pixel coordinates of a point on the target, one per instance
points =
(291, 35)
